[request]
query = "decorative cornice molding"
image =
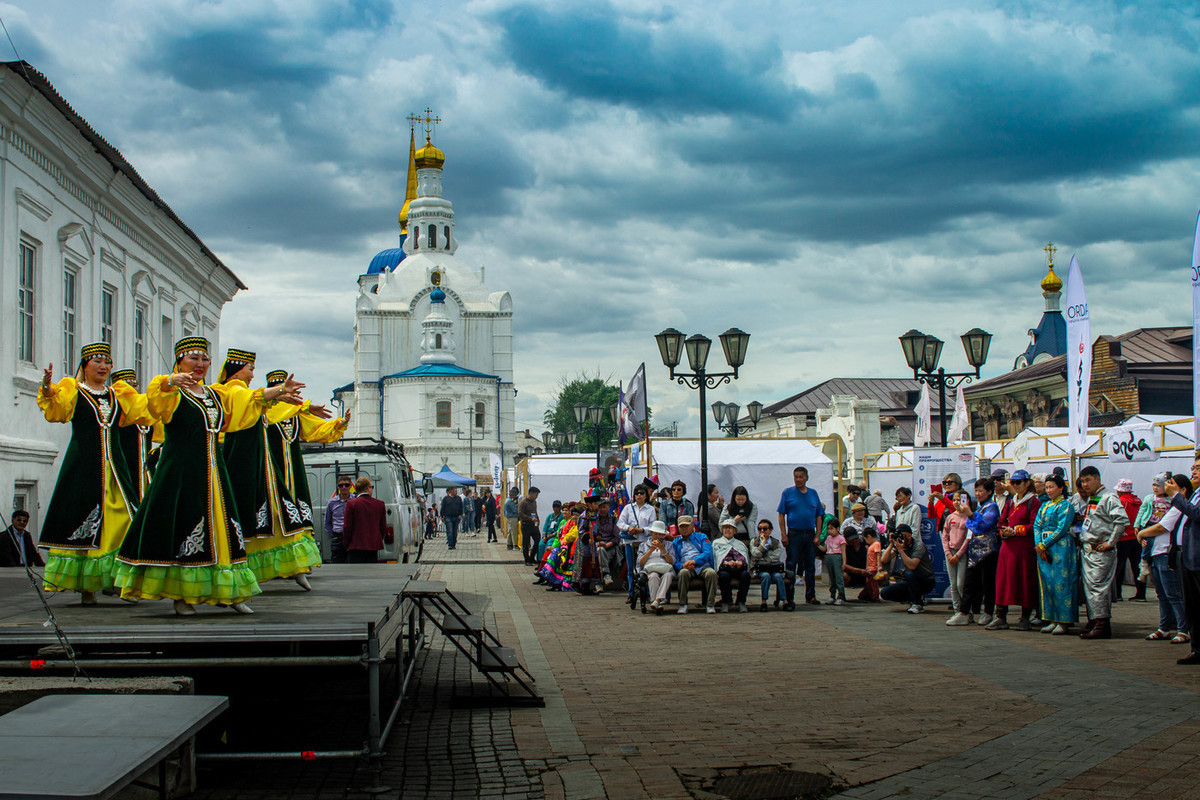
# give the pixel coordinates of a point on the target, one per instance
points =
(27, 201)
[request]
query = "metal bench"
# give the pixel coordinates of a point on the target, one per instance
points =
(91, 746)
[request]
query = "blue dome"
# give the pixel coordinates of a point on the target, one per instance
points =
(437, 296)
(385, 261)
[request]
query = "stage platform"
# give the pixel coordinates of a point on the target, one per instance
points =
(356, 616)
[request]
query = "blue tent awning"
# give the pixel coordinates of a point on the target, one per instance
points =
(451, 478)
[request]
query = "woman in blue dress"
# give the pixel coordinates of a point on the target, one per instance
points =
(1058, 560)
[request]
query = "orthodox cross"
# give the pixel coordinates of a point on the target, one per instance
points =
(427, 122)
(1050, 251)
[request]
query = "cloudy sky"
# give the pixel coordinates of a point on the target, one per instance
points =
(822, 175)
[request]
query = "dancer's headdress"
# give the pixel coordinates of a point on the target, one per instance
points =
(190, 345)
(234, 361)
(276, 377)
(90, 351)
(127, 375)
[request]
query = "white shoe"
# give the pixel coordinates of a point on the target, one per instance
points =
(184, 609)
(742, 608)
(839, 602)
(916, 609)
(724, 608)
(710, 610)
(654, 604)
(985, 620)
(302, 581)
(1050, 628)
(959, 618)
(682, 609)
(242, 608)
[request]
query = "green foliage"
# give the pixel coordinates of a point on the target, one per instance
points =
(591, 391)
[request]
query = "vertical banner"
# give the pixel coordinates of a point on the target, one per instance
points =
(1195, 331)
(497, 474)
(960, 424)
(924, 422)
(1079, 359)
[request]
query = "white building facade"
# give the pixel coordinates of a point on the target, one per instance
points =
(88, 252)
(433, 345)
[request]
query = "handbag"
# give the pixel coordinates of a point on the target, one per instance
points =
(981, 547)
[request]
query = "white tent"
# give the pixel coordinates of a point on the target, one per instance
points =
(763, 466)
(559, 477)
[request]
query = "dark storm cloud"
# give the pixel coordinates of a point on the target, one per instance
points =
(593, 51)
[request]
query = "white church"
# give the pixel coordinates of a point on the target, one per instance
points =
(433, 345)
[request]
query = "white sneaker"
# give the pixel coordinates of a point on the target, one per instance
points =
(1050, 628)
(959, 618)
(839, 602)
(985, 620)
(682, 609)
(916, 609)
(742, 608)
(710, 610)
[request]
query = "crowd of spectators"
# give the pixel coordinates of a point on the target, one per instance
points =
(1021, 551)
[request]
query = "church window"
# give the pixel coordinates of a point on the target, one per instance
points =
(432, 237)
(446, 235)
(437, 341)
(479, 415)
(443, 413)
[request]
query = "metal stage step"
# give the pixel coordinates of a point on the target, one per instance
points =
(471, 636)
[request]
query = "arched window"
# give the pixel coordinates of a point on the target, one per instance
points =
(437, 341)
(446, 234)
(443, 413)
(433, 237)
(479, 408)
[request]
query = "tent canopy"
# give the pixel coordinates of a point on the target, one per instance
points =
(560, 476)
(763, 466)
(446, 478)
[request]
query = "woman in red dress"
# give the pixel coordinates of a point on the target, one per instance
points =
(1016, 568)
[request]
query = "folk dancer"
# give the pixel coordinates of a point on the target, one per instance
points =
(186, 543)
(94, 498)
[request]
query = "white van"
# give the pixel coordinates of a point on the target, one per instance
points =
(382, 461)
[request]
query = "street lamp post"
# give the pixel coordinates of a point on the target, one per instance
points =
(726, 415)
(671, 346)
(922, 353)
(590, 417)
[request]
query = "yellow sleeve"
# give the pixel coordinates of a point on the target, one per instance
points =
(160, 433)
(243, 407)
(281, 411)
(134, 408)
(162, 399)
(315, 429)
(58, 402)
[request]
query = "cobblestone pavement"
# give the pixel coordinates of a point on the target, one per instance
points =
(883, 703)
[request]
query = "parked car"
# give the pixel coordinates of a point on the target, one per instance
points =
(383, 461)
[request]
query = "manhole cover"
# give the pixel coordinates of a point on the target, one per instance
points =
(772, 785)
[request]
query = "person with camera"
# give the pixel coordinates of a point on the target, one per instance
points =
(918, 569)
(655, 559)
(766, 559)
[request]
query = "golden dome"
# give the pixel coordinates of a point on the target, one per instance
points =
(1051, 283)
(429, 157)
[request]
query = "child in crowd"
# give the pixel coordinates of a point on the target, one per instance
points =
(832, 548)
(954, 545)
(1154, 505)
(870, 592)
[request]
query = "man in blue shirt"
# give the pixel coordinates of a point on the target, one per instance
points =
(800, 513)
(694, 559)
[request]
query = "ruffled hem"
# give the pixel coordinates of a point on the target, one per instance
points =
(78, 571)
(213, 585)
(295, 557)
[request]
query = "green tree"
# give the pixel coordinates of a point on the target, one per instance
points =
(591, 391)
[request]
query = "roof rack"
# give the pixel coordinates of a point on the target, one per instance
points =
(366, 444)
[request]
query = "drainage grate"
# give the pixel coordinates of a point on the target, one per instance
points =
(775, 785)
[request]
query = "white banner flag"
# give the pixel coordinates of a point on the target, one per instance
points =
(1131, 443)
(921, 437)
(497, 474)
(1079, 359)
(1195, 331)
(961, 422)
